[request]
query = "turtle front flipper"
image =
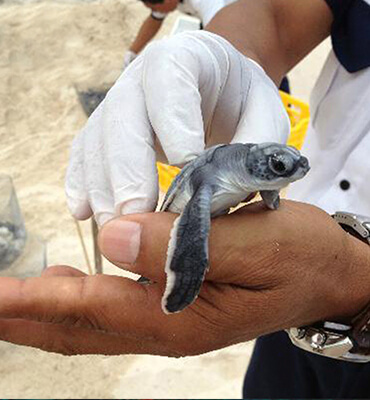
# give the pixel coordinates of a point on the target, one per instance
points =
(271, 198)
(187, 254)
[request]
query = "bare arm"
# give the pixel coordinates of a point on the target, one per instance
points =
(276, 33)
(147, 31)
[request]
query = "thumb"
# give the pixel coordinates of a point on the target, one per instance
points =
(138, 243)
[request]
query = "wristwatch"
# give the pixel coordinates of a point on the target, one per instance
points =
(332, 339)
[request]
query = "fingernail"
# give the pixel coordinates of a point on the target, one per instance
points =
(120, 241)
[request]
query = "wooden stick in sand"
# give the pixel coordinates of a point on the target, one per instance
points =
(98, 259)
(80, 235)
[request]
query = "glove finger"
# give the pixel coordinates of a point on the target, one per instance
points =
(129, 146)
(264, 118)
(181, 82)
(97, 182)
(77, 198)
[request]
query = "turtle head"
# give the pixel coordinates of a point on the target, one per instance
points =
(274, 165)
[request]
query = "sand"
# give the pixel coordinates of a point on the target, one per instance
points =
(47, 50)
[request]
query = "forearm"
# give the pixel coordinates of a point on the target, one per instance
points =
(147, 31)
(275, 33)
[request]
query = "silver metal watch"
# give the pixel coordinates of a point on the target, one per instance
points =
(332, 339)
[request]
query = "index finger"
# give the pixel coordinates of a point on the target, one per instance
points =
(67, 299)
(79, 316)
(130, 158)
(101, 314)
(101, 302)
(181, 82)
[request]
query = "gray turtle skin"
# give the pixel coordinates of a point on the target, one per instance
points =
(220, 178)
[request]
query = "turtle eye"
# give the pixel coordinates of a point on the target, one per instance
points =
(279, 164)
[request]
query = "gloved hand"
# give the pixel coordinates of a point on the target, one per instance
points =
(182, 94)
(128, 58)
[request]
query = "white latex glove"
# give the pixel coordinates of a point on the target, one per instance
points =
(188, 92)
(128, 58)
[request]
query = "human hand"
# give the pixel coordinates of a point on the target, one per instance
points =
(177, 97)
(128, 58)
(269, 270)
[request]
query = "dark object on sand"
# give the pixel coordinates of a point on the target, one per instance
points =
(12, 242)
(91, 99)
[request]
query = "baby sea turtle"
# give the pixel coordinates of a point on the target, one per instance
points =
(220, 178)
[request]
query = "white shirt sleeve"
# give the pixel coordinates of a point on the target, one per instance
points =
(205, 10)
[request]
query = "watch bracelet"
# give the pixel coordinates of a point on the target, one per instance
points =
(361, 331)
(354, 339)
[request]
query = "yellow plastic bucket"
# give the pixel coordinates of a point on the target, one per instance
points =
(299, 115)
